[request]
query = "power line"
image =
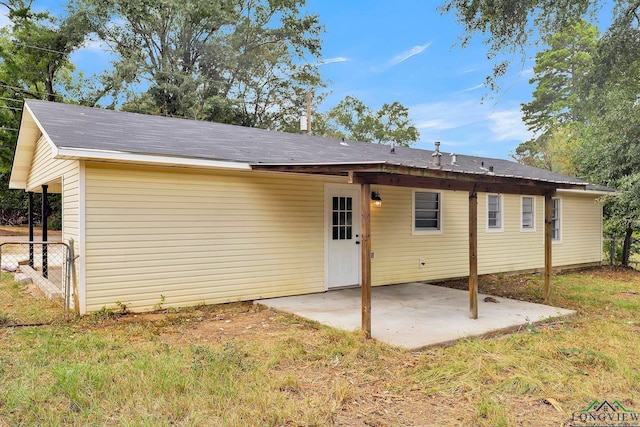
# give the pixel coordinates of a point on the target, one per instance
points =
(13, 129)
(10, 99)
(40, 48)
(30, 91)
(11, 108)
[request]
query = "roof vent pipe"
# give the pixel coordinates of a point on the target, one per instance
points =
(303, 123)
(490, 168)
(453, 159)
(437, 155)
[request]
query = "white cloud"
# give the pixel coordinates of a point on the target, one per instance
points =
(401, 57)
(508, 125)
(438, 124)
(93, 44)
(448, 114)
(462, 121)
(481, 85)
(528, 73)
(333, 60)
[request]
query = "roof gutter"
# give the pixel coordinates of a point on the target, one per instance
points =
(418, 170)
(126, 157)
(585, 191)
(311, 164)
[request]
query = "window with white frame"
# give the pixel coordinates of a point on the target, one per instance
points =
(494, 212)
(528, 213)
(427, 211)
(555, 219)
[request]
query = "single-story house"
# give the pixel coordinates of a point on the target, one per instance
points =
(188, 212)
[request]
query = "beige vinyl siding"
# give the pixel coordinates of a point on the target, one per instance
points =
(196, 237)
(513, 249)
(71, 204)
(510, 249)
(62, 176)
(581, 230)
(47, 170)
(398, 252)
(193, 237)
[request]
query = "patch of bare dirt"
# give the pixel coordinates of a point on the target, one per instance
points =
(506, 286)
(246, 321)
(616, 272)
(242, 320)
(519, 286)
(11, 230)
(419, 409)
(374, 408)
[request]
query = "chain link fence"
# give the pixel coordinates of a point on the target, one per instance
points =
(36, 285)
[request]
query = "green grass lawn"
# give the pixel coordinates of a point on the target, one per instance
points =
(237, 365)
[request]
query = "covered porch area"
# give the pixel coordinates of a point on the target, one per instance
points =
(417, 315)
(471, 179)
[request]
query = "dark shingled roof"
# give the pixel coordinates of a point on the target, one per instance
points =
(75, 127)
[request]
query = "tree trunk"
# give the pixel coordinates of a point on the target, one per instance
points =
(48, 83)
(626, 247)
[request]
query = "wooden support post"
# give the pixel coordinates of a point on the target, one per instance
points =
(30, 216)
(45, 215)
(365, 242)
(548, 266)
(473, 254)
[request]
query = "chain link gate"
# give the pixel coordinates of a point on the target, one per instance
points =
(47, 265)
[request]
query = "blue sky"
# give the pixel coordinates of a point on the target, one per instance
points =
(382, 51)
(407, 51)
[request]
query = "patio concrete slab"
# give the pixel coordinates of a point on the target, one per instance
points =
(415, 315)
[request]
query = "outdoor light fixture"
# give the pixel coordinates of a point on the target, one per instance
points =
(376, 199)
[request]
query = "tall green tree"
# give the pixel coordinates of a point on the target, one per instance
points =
(34, 63)
(610, 148)
(558, 112)
(36, 49)
(234, 61)
(352, 119)
(610, 153)
(559, 75)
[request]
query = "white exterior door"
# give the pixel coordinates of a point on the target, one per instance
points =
(342, 204)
